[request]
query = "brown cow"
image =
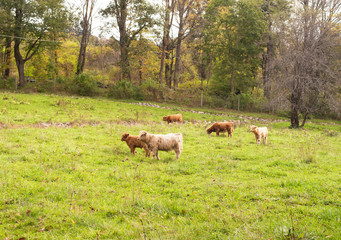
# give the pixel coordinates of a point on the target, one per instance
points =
(133, 143)
(173, 118)
(221, 127)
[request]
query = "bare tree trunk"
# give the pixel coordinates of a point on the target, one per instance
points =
(267, 58)
(295, 123)
(33, 48)
(304, 119)
(233, 70)
(183, 11)
(124, 41)
(177, 63)
(140, 71)
(7, 57)
(55, 53)
(162, 61)
(266, 69)
(168, 71)
(20, 63)
(17, 55)
(169, 67)
(232, 80)
(202, 92)
(82, 52)
(164, 42)
(86, 31)
(125, 67)
(202, 72)
(295, 99)
(165, 58)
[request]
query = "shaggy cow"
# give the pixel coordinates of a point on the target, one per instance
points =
(221, 127)
(260, 133)
(168, 142)
(133, 143)
(173, 118)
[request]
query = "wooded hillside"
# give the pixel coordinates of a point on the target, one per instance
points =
(263, 55)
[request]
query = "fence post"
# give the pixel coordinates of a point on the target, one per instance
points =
(202, 98)
(238, 101)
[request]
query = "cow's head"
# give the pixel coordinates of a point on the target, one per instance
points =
(253, 128)
(124, 136)
(142, 136)
(209, 130)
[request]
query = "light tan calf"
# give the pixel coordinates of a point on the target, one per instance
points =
(260, 133)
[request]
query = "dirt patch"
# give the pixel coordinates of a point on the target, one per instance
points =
(71, 124)
(49, 124)
(242, 119)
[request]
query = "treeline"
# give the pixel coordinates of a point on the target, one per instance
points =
(260, 55)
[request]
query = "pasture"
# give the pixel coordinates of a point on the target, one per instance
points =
(65, 174)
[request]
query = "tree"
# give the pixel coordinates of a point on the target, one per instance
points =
(201, 61)
(276, 12)
(190, 14)
(87, 14)
(234, 33)
(7, 57)
(34, 25)
(144, 61)
(132, 16)
(200, 58)
(5, 26)
(309, 60)
(168, 22)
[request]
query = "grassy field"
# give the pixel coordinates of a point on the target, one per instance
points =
(65, 174)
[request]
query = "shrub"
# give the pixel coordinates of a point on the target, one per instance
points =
(214, 101)
(84, 85)
(150, 89)
(251, 101)
(126, 90)
(7, 83)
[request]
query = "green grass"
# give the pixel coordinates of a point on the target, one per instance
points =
(81, 182)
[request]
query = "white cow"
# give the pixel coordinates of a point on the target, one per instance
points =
(156, 142)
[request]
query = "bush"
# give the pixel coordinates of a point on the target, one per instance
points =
(7, 83)
(214, 101)
(84, 85)
(125, 90)
(151, 90)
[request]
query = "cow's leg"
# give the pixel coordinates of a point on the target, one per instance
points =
(217, 132)
(147, 151)
(155, 153)
(177, 153)
(132, 150)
